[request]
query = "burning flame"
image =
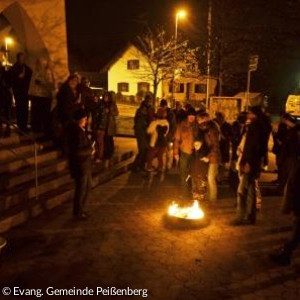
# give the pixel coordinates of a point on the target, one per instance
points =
(190, 212)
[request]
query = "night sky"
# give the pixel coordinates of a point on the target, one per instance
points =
(97, 29)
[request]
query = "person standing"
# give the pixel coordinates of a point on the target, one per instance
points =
(291, 203)
(158, 131)
(20, 78)
(212, 139)
(251, 152)
(99, 120)
(225, 142)
(80, 151)
(179, 112)
(171, 118)
(41, 91)
(112, 112)
(183, 148)
(5, 98)
(141, 123)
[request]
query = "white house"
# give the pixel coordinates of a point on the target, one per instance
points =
(127, 74)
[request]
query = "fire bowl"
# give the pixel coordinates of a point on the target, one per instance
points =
(186, 215)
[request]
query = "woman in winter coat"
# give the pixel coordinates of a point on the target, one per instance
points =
(42, 87)
(158, 131)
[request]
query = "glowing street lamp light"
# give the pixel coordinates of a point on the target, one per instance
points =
(181, 14)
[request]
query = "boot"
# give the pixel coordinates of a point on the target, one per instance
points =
(282, 258)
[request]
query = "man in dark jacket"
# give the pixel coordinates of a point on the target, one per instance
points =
(141, 123)
(20, 78)
(251, 151)
(291, 203)
(80, 152)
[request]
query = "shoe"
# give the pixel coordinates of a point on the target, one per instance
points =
(238, 222)
(81, 217)
(282, 258)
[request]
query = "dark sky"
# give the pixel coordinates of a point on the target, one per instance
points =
(97, 29)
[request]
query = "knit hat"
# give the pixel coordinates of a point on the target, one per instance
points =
(191, 111)
(79, 114)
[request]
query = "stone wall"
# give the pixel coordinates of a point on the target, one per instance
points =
(49, 19)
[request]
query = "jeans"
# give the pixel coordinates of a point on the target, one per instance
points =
(159, 153)
(246, 202)
(184, 168)
(22, 103)
(212, 182)
(82, 190)
(98, 136)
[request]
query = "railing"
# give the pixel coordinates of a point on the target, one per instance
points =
(35, 145)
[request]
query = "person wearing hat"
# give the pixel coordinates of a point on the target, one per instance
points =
(250, 151)
(80, 151)
(184, 139)
(158, 131)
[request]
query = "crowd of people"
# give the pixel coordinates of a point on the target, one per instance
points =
(204, 148)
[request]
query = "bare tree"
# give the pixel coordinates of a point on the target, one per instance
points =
(167, 57)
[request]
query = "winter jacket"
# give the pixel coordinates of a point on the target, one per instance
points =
(172, 124)
(158, 131)
(140, 129)
(185, 137)
(42, 83)
(253, 149)
(292, 193)
(20, 79)
(67, 103)
(99, 116)
(79, 149)
(212, 139)
(113, 112)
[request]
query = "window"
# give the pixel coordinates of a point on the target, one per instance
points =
(133, 64)
(143, 87)
(179, 88)
(123, 87)
(200, 88)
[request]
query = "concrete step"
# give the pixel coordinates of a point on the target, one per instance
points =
(15, 151)
(28, 174)
(18, 139)
(52, 198)
(27, 160)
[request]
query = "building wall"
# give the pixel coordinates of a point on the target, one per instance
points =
(48, 17)
(189, 89)
(118, 73)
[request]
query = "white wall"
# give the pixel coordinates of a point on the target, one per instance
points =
(118, 72)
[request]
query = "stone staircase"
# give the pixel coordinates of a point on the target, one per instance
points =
(19, 198)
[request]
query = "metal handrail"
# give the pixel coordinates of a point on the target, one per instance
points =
(35, 145)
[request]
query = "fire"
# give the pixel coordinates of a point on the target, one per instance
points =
(189, 212)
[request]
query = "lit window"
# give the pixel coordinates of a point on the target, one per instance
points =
(179, 88)
(133, 64)
(200, 88)
(143, 87)
(123, 87)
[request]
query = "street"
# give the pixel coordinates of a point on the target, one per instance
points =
(125, 243)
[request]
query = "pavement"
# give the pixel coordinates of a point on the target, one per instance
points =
(127, 244)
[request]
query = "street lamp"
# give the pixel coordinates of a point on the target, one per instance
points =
(181, 14)
(8, 41)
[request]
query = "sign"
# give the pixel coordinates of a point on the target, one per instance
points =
(253, 62)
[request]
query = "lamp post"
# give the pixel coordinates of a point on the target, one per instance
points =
(181, 14)
(8, 41)
(209, 20)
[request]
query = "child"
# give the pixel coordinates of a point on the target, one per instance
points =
(158, 130)
(199, 167)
